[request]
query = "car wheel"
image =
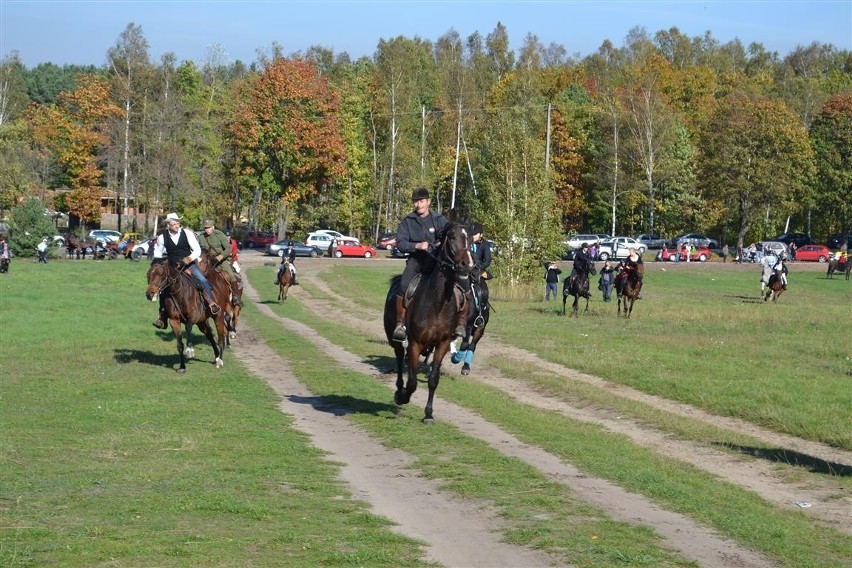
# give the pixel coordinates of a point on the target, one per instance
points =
(822, 258)
(604, 256)
(136, 255)
(368, 254)
(314, 253)
(338, 254)
(250, 245)
(702, 257)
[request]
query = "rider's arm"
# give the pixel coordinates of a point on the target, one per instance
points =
(403, 237)
(193, 245)
(159, 247)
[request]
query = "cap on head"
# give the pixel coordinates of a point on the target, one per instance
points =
(172, 217)
(475, 229)
(208, 223)
(584, 245)
(419, 193)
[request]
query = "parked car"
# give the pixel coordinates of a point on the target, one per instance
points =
(813, 253)
(702, 254)
(331, 233)
(105, 234)
(577, 241)
(140, 249)
(258, 239)
(386, 241)
(835, 241)
(301, 249)
(320, 240)
(352, 247)
(651, 240)
(619, 247)
(800, 239)
(696, 239)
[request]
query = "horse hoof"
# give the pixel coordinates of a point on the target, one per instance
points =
(457, 357)
(219, 363)
(428, 420)
(401, 398)
(181, 370)
(232, 335)
(465, 369)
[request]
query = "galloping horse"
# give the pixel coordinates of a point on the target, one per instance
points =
(477, 319)
(627, 288)
(183, 304)
(222, 292)
(775, 286)
(285, 280)
(431, 316)
(579, 288)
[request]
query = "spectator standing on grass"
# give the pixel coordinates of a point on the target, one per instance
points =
(551, 278)
(725, 253)
(42, 251)
(606, 280)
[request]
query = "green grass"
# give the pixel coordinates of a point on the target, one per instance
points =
(109, 457)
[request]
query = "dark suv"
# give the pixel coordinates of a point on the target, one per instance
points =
(258, 239)
(835, 241)
(800, 239)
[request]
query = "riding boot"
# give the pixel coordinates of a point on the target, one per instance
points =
(236, 294)
(211, 303)
(399, 332)
(161, 320)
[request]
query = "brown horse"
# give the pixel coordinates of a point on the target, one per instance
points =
(432, 314)
(184, 305)
(222, 292)
(775, 287)
(285, 280)
(628, 284)
(79, 248)
(835, 265)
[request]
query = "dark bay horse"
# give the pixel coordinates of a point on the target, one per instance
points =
(431, 315)
(628, 284)
(285, 280)
(222, 292)
(579, 288)
(184, 305)
(835, 265)
(477, 319)
(775, 287)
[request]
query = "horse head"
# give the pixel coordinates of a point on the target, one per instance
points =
(455, 250)
(158, 279)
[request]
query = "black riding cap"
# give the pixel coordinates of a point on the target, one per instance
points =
(475, 228)
(419, 193)
(584, 245)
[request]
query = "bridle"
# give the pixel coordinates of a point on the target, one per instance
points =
(447, 258)
(171, 277)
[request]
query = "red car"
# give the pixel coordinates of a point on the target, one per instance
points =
(814, 253)
(256, 239)
(702, 254)
(387, 241)
(351, 247)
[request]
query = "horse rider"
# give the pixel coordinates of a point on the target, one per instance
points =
(217, 245)
(235, 256)
(480, 252)
(289, 257)
(582, 260)
(418, 235)
(767, 262)
(634, 263)
(180, 247)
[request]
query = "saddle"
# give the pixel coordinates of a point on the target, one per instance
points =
(458, 292)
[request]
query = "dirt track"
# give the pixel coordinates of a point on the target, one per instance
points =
(460, 530)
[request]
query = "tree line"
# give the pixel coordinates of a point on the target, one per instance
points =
(667, 133)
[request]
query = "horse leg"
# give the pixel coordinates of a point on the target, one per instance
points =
(587, 304)
(575, 307)
(434, 376)
(218, 346)
(564, 302)
(403, 395)
(176, 329)
(468, 359)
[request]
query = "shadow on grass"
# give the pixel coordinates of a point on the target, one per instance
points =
(790, 457)
(343, 405)
(746, 299)
(169, 361)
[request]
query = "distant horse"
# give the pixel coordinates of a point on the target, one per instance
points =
(78, 247)
(285, 280)
(432, 314)
(477, 319)
(628, 284)
(775, 287)
(578, 287)
(835, 265)
(184, 305)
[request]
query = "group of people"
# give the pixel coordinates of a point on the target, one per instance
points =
(582, 266)
(181, 248)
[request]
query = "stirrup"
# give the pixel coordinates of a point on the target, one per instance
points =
(400, 333)
(214, 308)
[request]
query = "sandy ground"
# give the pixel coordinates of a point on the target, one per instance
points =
(455, 531)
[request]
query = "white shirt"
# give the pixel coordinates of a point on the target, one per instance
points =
(195, 248)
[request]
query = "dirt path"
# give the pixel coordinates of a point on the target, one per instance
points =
(382, 477)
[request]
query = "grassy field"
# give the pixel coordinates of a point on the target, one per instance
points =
(108, 458)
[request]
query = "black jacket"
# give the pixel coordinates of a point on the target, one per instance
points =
(481, 253)
(414, 229)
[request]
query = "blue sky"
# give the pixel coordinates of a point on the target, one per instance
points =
(81, 32)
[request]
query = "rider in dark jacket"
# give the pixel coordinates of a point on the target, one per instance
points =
(581, 261)
(417, 235)
(480, 250)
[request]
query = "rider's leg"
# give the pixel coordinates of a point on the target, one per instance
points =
(208, 289)
(293, 274)
(399, 332)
